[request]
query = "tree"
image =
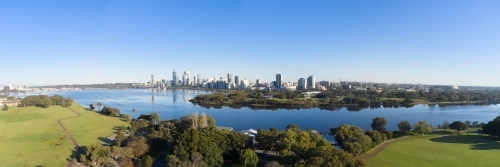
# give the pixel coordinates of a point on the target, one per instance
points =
(147, 161)
(475, 123)
(376, 136)
(379, 123)
(353, 139)
(445, 124)
(458, 126)
(203, 120)
(404, 127)
(294, 127)
(211, 121)
(423, 127)
(248, 158)
(5, 107)
(187, 144)
(91, 107)
(468, 123)
(492, 127)
(139, 146)
(99, 105)
(155, 118)
(96, 155)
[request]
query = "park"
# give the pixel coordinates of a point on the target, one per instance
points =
(440, 150)
(31, 136)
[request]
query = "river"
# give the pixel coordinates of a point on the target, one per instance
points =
(173, 103)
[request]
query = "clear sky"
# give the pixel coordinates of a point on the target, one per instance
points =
(449, 42)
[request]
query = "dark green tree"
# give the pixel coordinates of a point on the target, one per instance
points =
(458, 126)
(379, 123)
(468, 123)
(404, 127)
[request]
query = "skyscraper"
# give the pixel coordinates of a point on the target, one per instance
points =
(198, 76)
(257, 82)
(194, 80)
(229, 78)
(311, 82)
(302, 83)
(152, 80)
(174, 79)
(237, 80)
(279, 78)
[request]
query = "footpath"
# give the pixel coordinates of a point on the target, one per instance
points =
(75, 144)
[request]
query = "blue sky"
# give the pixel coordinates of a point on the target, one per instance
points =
(80, 42)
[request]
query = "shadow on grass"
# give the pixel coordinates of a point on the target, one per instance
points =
(75, 153)
(106, 141)
(475, 141)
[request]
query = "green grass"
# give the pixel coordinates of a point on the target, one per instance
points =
(451, 150)
(91, 125)
(31, 136)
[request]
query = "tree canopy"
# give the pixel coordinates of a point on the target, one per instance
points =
(404, 127)
(379, 123)
(458, 126)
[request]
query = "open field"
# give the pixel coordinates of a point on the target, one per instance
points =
(450, 150)
(31, 136)
(91, 125)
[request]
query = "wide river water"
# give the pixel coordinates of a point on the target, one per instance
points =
(173, 103)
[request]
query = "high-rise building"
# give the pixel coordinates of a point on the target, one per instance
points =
(174, 79)
(188, 78)
(311, 82)
(257, 82)
(152, 80)
(229, 78)
(194, 80)
(198, 76)
(237, 80)
(302, 84)
(279, 78)
(184, 79)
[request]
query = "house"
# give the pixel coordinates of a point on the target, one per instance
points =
(11, 103)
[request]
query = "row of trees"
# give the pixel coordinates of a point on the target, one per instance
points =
(304, 146)
(45, 101)
(492, 127)
(194, 140)
(356, 141)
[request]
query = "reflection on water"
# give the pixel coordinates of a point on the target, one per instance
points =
(165, 103)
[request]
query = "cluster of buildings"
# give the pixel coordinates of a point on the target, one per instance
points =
(235, 82)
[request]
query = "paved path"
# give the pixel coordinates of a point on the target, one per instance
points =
(77, 147)
(384, 145)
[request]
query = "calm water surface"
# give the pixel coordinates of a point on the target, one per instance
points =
(173, 103)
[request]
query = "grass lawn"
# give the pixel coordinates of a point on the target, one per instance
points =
(451, 150)
(31, 136)
(91, 126)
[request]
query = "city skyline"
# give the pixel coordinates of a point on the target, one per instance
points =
(427, 42)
